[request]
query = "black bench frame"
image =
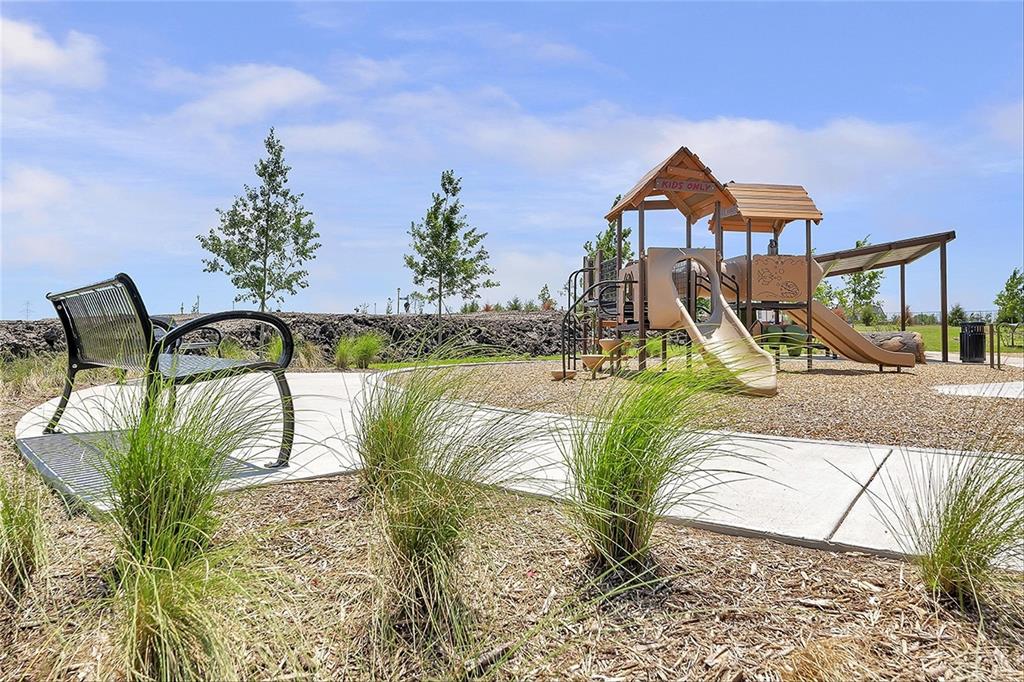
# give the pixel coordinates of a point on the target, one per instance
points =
(169, 342)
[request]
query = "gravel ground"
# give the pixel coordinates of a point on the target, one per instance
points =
(837, 400)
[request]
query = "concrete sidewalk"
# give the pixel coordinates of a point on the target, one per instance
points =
(814, 493)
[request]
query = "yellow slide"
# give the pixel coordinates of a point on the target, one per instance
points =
(726, 341)
(835, 333)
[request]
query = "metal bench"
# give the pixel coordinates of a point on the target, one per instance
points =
(106, 325)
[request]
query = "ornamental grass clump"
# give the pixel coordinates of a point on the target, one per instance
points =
(429, 462)
(638, 455)
(960, 517)
(22, 537)
(366, 349)
(344, 352)
(164, 468)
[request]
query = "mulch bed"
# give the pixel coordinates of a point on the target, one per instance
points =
(732, 608)
(837, 400)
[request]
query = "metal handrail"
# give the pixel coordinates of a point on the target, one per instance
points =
(600, 286)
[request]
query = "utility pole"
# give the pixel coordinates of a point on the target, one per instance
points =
(27, 310)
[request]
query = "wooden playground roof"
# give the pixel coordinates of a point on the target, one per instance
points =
(875, 256)
(768, 207)
(685, 183)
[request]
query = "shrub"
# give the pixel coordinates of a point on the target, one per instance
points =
(956, 315)
(637, 456)
(344, 352)
(22, 539)
(957, 516)
(366, 348)
(164, 466)
(231, 349)
(425, 461)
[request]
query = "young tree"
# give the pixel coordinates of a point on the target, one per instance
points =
(1010, 301)
(957, 315)
(448, 255)
(266, 236)
(605, 241)
(544, 297)
(861, 290)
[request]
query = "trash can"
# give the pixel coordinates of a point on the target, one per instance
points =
(972, 342)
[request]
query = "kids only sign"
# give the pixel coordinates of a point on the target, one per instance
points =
(689, 186)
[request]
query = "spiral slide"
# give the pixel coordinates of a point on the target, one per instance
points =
(723, 338)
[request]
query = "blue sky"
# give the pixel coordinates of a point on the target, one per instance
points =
(125, 125)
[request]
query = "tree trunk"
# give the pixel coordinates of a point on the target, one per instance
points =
(439, 299)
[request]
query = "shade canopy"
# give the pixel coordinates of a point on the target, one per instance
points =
(875, 256)
(768, 207)
(685, 183)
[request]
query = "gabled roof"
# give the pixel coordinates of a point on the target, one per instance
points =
(768, 207)
(685, 182)
(875, 256)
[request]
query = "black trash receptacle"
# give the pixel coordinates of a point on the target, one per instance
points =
(972, 342)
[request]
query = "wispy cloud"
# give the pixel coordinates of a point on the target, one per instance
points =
(238, 94)
(497, 38)
(340, 137)
(30, 53)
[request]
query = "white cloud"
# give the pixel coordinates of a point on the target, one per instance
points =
(365, 72)
(240, 94)
(341, 137)
(1006, 124)
(30, 53)
(523, 273)
(497, 38)
(32, 191)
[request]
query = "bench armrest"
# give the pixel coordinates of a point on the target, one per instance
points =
(287, 342)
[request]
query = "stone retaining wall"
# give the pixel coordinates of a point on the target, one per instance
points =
(516, 333)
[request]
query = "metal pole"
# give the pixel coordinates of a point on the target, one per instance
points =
(942, 313)
(903, 297)
(618, 245)
(691, 304)
(640, 302)
(750, 280)
(810, 301)
(398, 301)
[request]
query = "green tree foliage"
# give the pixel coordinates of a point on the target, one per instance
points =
(545, 300)
(826, 294)
(448, 255)
(1010, 301)
(860, 292)
(605, 241)
(266, 236)
(957, 315)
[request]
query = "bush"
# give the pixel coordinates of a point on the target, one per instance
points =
(637, 456)
(344, 352)
(164, 467)
(426, 460)
(22, 539)
(958, 517)
(366, 348)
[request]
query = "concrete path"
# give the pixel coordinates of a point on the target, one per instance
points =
(824, 494)
(1006, 389)
(1008, 360)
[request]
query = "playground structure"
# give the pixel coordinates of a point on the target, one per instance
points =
(730, 310)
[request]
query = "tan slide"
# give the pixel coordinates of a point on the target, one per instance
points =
(835, 333)
(727, 342)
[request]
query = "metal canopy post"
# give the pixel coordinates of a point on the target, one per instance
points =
(640, 302)
(750, 281)
(903, 297)
(943, 313)
(690, 293)
(620, 291)
(810, 301)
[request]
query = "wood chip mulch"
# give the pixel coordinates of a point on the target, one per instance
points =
(837, 400)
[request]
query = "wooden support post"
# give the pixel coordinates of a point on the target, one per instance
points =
(664, 352)
(903, 297)
(750, 280)
(810, 301)
(943, 314)
(621, 290)
(640, 301)
(691, 290)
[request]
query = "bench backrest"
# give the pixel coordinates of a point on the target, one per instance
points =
(106, 324)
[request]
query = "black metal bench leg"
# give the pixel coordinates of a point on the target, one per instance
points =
(288, 409)
(69, 383)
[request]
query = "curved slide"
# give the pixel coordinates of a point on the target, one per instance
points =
(728, 343)
(835, 333)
